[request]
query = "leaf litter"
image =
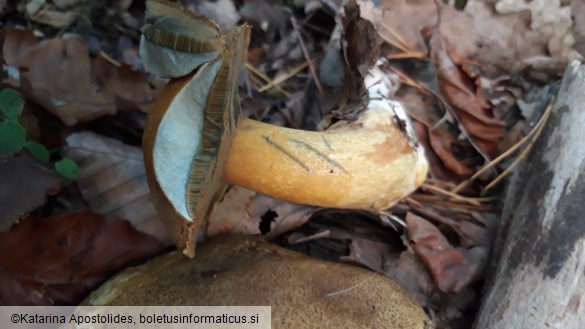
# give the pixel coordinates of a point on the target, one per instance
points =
(90, 89)
(112, 179)
(466, 89)
(58, 260)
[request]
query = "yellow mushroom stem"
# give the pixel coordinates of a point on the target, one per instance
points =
(368, 164)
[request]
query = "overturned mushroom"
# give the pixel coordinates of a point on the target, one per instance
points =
(195, 142)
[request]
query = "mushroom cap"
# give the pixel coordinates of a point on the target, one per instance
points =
(189, 131)
(172, 35)
(303, 292)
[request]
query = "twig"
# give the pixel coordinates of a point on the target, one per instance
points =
(109, 59)
(316, 236)
(438, 201)
(350, 288)
(538, 128)
(306, 54)
(400, 44)
(385, 216)
(426, 90)
(287, 76)
(450, 194)
(508, 152)
(421, 201)
(263, 76)
(403, 55)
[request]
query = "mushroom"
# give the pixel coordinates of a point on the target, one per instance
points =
(195, 141)
(239, 270)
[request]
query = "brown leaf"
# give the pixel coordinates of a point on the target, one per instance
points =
(112, 179)
(437, 168)
(371, 254)
(450, 268)
(59, 260)
(59, 74)
(410, 272)
(436, 140)
(529, 34)
(460, 90)
(441, 142)
(400, 22)
(25, 185)
(129, 88)
(363, 41)
(247, 212)
(470, 234)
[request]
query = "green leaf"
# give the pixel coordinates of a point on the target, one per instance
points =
(66, 168)
(460, 4)
(12, 138)
(11, 103)
(39, 151)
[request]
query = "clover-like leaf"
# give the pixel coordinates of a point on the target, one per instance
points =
(12, 138)
(11, 103)
(39, 151)
(67, 168)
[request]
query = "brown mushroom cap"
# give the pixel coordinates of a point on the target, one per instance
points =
(304, 292)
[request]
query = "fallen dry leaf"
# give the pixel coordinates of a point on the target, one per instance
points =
(437, 168)
(451, 268)
(48, 14)
(331, 234)
(59, 74)
(400, 22)
(469, 234)
(519, 34)
(371, 254)
(59, 260)
(112, 180)
(363, 41)
(442, 142)
(247, 212)
(462, 93)
(25, 186)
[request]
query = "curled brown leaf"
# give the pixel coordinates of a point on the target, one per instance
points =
(450, 268)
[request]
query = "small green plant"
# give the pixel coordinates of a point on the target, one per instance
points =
(459, 4)
(13, 137)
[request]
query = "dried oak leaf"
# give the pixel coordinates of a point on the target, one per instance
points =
(59, 74)
(437, 166)
(25, 186)
(59, 260)
(543, 35)
(247, 212)
(469, 234)
(400, 22)
(462, 93)
(451, 268)
(441, 142)
(112, 179)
